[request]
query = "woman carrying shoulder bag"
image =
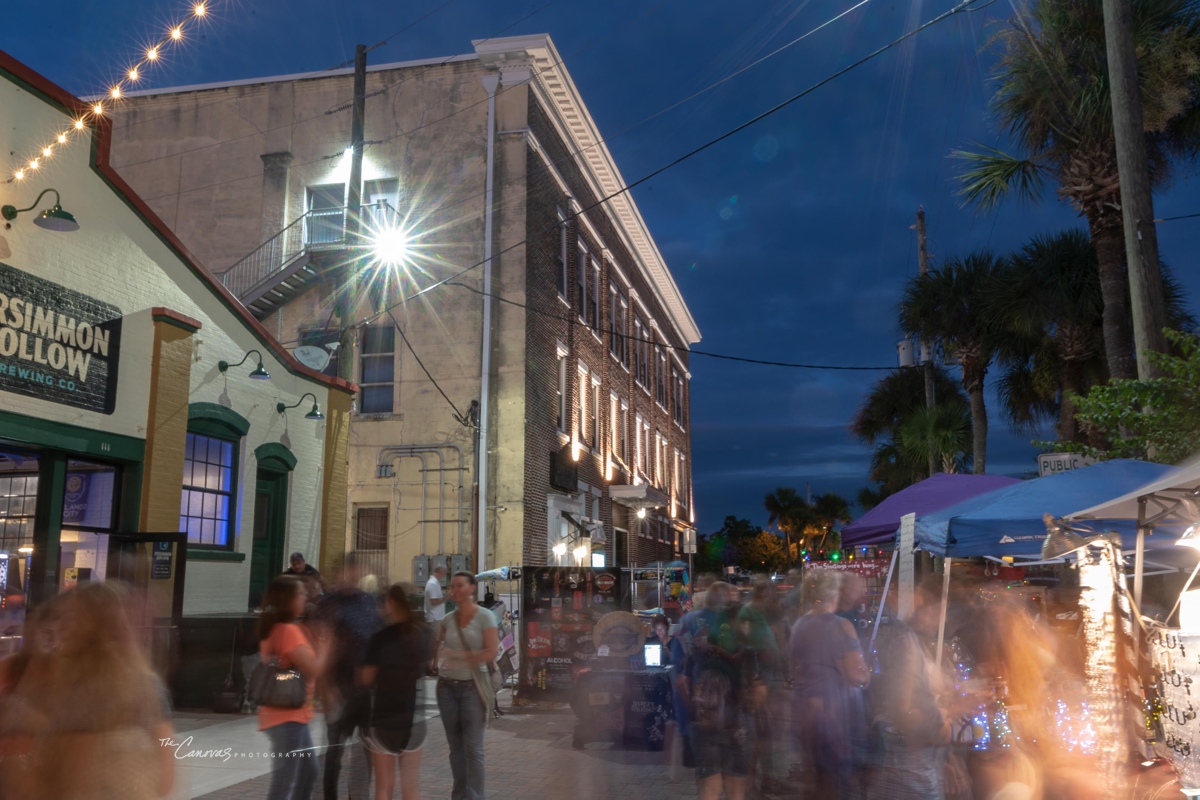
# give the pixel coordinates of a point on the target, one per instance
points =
(467, 642)
(294, 777)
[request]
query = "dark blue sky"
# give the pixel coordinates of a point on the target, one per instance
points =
(790, 241)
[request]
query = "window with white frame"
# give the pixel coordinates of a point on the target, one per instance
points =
(594, 312)
(641, 353)
(581, 270)
(377, 374)
(594, 412)
(618, 313)
(676, 473)
(639, 451)
(678, 398)
(660, 375)
(623, 431)
(581, 404)
(562, 254)
(562, 389)
(660, 463)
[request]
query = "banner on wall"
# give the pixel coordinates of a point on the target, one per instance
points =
(57, 344)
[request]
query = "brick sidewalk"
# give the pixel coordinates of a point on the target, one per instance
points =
(530, 755)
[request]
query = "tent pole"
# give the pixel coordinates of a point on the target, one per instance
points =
(1139, 558)
(945, 599)
(887, 584)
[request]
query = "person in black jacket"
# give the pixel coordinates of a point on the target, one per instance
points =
(397, 659)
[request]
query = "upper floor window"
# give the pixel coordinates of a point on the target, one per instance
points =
(594, 414)
(594, 298)
(562, 389)
(660, 375)
(377, 373)
(678, 398)
(562, 254)
(617, 314)
(581, 270)
(641, 353)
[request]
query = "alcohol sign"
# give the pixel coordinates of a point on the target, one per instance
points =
(1054, 463)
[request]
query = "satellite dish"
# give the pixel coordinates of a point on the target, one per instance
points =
(312, 357)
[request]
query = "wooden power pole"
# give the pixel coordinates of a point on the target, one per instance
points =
(927, 362)
(1137, 204)
(346, 277)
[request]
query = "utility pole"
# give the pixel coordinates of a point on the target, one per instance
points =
(1137, 203)
(346, 277)
(927, 365)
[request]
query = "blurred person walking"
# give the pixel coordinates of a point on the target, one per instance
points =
(435, 599)
(396, 660)
(829, 675)
(87, 696)
(467, 641)
(349, 617)
(756, 623)
(294, 762)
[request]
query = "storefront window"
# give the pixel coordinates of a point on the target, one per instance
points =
(89, 497)
(208, 482)
(18, 498)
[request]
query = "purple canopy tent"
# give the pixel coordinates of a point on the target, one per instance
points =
(878, 526)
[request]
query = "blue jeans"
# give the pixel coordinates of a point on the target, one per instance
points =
(294, 762)
(462, 716)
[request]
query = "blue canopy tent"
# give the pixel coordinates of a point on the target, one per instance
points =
(1010, 521)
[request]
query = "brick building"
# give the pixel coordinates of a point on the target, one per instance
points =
(585, 408)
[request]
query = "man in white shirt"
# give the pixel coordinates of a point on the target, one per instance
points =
(435, 600)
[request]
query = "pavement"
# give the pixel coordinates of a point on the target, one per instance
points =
(528, 751)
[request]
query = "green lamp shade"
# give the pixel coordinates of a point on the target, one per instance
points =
(315, 413)
(55, 219)
(260, 374)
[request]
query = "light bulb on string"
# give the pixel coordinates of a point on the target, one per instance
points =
(62, 138)
(19, 175)
(199, 9)
(152, 54)
(46, 151)
(79, 122)
(177, 33)
(116, 92)
(33, 164)
(133, 74)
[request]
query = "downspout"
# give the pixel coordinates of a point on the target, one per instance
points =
(490, 83)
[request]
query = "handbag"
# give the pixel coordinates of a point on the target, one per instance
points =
(273, 686)
(483, 685)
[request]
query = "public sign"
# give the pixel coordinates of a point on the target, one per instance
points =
(160, 564)
(1054, 463)
(57, 344)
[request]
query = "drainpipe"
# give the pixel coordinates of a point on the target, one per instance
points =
(490, 83)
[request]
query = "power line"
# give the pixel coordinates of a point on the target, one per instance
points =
(572, 319)
(458, 414)
(1182, 216)
(963, 6)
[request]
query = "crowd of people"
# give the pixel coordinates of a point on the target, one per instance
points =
(792, 693)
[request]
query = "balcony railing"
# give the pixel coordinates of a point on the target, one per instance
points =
(316, 230)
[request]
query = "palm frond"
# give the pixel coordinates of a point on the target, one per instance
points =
(993, 175)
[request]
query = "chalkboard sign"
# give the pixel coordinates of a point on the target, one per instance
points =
(560, 609)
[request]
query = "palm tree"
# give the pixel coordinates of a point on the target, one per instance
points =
(1053, 101)
(895, 396)
(949, 305)
(944, 429)
(1051, 308)
(828, 510)
(789, 512)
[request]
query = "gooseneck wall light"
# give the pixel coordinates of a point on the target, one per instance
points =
(258, 374)
(52, 219)
(316, 408)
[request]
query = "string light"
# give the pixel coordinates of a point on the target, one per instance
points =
(174, 34)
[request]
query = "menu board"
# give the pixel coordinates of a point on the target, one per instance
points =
(560, 608)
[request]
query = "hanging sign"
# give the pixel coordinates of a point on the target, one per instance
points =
(57, 344)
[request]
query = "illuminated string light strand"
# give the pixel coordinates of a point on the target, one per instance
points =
(151, 56)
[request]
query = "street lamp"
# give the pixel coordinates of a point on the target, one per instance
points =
(390, 246)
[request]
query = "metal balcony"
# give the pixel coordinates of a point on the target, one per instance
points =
(287, 263)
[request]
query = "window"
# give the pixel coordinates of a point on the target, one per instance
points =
(562, 389)
(639, 454)
(376, 381)
(660, 460)
(208, 490)
(619, 428)
(641, 353)
(18, 500)
(581, 405)
(660, 376)
(676, 474)
(371, 529)
(326, 221)
(678, 399)
(562, 254)
(647, 452)
(594, 414)
(618, 312)
(581, 270)
(594, 311)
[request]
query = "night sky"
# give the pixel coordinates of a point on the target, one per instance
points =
(790, 241)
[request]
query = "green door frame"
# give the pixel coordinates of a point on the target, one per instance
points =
(266, 559)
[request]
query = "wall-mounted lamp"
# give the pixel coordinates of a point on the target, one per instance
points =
(52, 219)
(560, 549)
(581, 553)
(316, 409)
(641, 513)
(258, 374)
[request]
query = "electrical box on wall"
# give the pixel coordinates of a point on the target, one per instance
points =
(458, 563)
(420, 570)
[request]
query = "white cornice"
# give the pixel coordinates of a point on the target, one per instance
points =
(566, 110)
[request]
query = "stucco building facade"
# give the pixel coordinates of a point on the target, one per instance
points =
(583, 404)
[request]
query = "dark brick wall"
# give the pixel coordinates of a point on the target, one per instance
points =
(551, 321)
